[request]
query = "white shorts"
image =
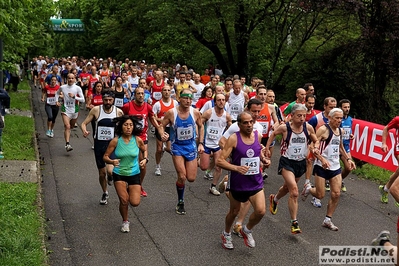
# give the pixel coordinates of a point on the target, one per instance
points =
(71, 115)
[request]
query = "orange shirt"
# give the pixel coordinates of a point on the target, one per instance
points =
(205, 79)
(265, 119)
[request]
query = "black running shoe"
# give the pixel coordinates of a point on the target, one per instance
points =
(180, 208)
(109, 180)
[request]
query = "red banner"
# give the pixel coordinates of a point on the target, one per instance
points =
(366, 144)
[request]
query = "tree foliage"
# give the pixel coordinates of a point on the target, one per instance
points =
(348, 48)
(24, 28)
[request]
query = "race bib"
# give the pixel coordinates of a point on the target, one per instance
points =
(346, 133)
(253, 164)
(185, 133)
(118, 102)
(296, 152)
(333, 152)
(157, 95)
(105, 133)
(51, 100)
(197, 96)
(69, 103)
(235, 109)
(265, 127)
(213, 133)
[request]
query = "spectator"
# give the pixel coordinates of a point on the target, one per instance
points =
(4, 106)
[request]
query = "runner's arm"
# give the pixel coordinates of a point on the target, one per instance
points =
(109, 151)
(92, 114)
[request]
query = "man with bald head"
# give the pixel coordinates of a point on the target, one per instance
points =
(300, 98)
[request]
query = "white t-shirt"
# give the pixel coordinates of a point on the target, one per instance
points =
(69, 104)
(199, 87)
(39, 64)
(208, 105)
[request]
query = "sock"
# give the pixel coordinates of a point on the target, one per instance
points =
(66, 143)
(226, 234)
(207, 171)
(212, 185)
(180, 191)
(307, 181)
(275, 199)
(158, 166)
(246, 230)
(327, 219)
(386, 189)
(295, 220)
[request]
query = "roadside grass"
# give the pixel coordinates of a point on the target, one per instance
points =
(19, 131)
(21, 224)
(21, 239)
(372, 172)
(20, 99)
(18, 137)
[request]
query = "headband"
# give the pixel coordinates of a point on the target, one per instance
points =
(189, 95)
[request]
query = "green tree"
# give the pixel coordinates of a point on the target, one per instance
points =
(24, 28)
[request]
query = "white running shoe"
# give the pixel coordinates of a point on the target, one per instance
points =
(158, 171)
(305, 191)
(208, 175)
(248, 238)
(316, 202)
(329, 225)
(227, 241)
(68, 147)
(125, 227)
(213, 190)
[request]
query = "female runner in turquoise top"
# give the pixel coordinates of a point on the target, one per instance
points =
(128, 151)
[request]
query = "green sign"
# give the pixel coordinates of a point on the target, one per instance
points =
(67, 25)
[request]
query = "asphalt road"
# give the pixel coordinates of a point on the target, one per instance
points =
(80, 231)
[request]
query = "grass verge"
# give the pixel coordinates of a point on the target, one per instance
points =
(21, 226)
(20, 99)
(19, 131)
(18, 137)
(372, 172)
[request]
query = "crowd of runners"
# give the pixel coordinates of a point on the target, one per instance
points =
(207, 120)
